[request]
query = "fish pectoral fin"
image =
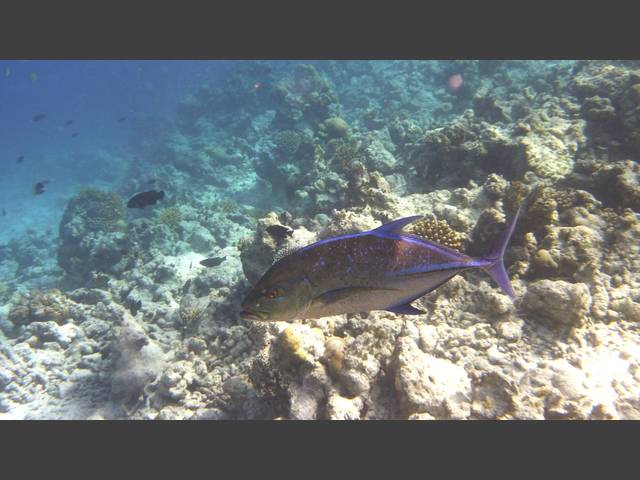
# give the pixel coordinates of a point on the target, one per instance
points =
(333, 296)
(405, 309)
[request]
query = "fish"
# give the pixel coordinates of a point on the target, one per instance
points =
(7, 72)
(212, 262)
(38, 188)
(20, 159)
(279, 232)
(122, 119)
(4, 212)
(454, 82)
(39, 117)
(144, 199)
(74, 135)
(380, 269)
(68, 122)
(133, 305)
(33, 76)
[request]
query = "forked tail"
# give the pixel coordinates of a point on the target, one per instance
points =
(496, 267)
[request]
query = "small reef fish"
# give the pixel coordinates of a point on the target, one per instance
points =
(7, 72)
(38, 188)
(454, 82)
(380, 269)
(68, 122)
(134, 306)
(122, 119)
(74, 135)
(144, 199)
(4, 212)
(20, 159)
(212, 262)
(279, 232)
(39, 117)
(33, 77)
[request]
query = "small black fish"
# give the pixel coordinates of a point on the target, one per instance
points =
(20, 159)
(38, 188)
(144, 199)
(4, 212)
(74, 135)
(134, 306)
(122, 119)
(39, 117)
(212, 262)
(151, 181)
(68, 122)
(279, 232)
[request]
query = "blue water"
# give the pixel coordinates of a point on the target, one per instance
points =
(95, 95)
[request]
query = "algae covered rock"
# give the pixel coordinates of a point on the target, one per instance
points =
(335, 127)
(428, 384)
(558, 301)
(36, 306)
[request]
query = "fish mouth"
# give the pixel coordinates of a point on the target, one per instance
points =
(252, 315)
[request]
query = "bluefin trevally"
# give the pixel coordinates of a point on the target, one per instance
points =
(380, 269)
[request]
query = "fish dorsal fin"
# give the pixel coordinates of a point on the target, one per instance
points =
(397, 225)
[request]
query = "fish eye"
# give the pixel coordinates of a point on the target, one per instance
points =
(273, 293)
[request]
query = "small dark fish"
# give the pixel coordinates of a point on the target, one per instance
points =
(212, 262)
(74, 135)
(151, 181)
(134, 306)
(4, 212)
(144, 199)
(38, 188)
(68, 122)
(39, 117)
(279, 232)
(20, 159)
(122, 119)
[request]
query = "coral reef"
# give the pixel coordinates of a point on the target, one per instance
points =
(437, 231)
(91, 234)
(171, 217)
(128, 324)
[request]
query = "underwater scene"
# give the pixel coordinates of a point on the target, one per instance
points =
(229, 240)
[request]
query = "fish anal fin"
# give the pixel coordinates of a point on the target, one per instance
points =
(406, 309)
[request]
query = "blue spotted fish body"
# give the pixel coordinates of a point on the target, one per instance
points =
(381, 269)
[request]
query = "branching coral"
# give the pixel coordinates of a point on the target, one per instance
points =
(345, 152)
(438, 231)
(170, 217)
(191, 313)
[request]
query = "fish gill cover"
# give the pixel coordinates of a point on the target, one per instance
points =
(115, 312)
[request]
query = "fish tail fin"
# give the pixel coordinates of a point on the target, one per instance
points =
(496, 267)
